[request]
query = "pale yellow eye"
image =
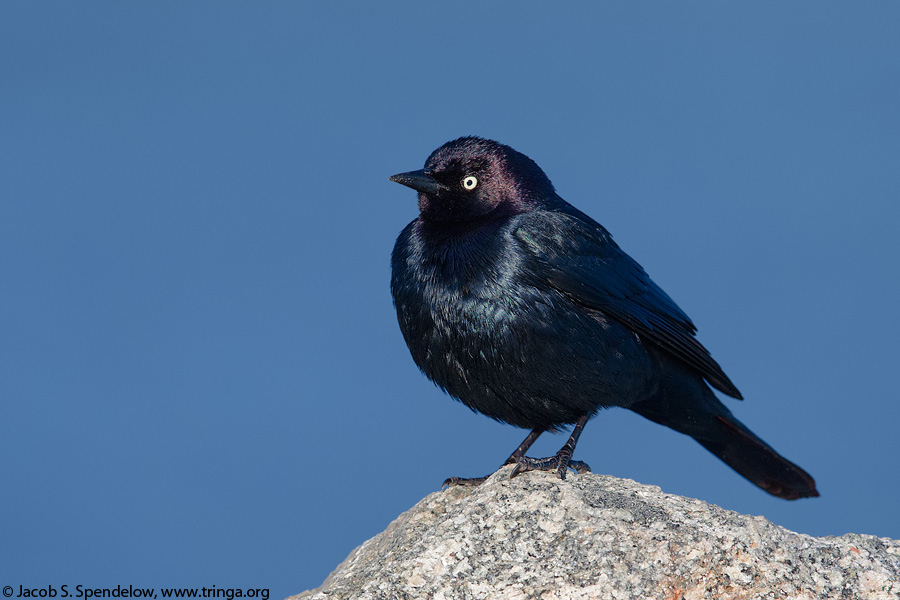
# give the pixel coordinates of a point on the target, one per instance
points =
(470, 182)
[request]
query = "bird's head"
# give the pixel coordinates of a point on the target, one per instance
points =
(470, 178)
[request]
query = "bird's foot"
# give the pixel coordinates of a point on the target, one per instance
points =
(463, 481)
(559, 463)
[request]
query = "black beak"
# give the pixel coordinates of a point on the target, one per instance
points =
(420, 180)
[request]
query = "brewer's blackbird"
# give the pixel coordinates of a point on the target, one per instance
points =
(521, 306)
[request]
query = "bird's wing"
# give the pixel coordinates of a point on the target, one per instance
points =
(572, 253)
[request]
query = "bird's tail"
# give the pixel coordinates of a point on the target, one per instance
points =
(716, 429)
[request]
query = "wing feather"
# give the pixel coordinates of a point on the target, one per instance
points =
(572, 253)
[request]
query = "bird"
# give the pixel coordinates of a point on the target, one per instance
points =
(523, 308)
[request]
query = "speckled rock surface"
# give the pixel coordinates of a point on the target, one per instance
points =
(595, 537)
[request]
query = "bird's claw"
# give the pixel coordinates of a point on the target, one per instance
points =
(463, 481)
(559, 463)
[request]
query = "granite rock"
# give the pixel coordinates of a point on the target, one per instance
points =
(592, 537)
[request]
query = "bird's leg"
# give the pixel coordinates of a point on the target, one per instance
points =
(514, 458)
(524, 446)
(561, 462)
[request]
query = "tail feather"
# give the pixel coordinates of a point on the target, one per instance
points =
(716, 429)
(744, 452)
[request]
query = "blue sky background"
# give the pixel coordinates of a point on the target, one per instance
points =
(202, 381)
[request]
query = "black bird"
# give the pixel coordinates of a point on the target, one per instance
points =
(522, 307)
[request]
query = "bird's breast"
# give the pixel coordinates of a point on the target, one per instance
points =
(455, 293)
